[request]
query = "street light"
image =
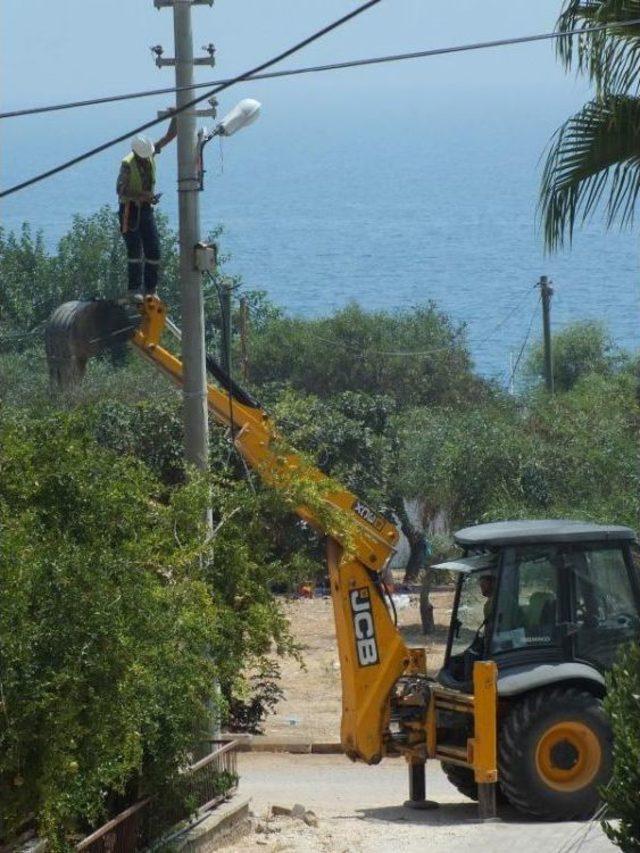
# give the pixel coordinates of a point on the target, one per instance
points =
(242, 115)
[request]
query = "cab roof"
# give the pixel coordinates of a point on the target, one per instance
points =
(549, 530)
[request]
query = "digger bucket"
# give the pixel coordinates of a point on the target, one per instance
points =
(80, 329)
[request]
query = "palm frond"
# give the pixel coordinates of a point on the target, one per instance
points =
(611, 58)
(596, 152)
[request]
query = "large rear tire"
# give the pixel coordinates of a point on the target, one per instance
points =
(555, 753)
(461, 778)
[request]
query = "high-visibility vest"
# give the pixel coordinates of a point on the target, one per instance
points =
(135, 176)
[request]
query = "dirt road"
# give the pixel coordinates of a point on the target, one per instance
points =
(359, 810)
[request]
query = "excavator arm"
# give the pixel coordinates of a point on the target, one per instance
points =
(373, 655)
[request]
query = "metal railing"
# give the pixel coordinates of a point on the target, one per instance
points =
(123, 834)
(206, 783)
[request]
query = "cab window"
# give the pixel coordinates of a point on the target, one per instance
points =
(527, 605)
(605, 609)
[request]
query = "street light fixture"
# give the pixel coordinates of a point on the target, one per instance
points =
(242, 115)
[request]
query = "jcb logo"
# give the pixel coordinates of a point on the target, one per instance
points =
(363, 627)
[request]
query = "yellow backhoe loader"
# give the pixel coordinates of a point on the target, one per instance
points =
(540, 609)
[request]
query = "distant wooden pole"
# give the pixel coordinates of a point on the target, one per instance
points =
(546, 291)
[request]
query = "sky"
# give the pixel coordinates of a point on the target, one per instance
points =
(90, 48)
(467, 130)
(78, 49)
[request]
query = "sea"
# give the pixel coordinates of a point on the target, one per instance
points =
(388, 202)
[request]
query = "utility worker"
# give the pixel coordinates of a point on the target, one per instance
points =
(137, 195)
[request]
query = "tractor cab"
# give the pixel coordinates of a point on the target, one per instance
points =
(546, 600)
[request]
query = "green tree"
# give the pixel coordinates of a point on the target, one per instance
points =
(580, 349)
(89, 260)
(461, 462)
(593, 159)
(570, 455)
(622, 823)
(116, 612)
(104, 624)
(414, 356)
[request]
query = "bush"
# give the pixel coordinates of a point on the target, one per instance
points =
(621, 794)
(116, 615)
(579, 350)
(105, 620)
(371, 352)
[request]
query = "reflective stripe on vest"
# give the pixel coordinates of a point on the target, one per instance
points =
(135, 176)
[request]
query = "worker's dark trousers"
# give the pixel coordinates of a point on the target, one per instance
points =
(138, 227)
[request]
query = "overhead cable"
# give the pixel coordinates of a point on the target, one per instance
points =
(524, 343)
(314, 69)
(211, 92)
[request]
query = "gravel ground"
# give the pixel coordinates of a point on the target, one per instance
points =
(359, 810)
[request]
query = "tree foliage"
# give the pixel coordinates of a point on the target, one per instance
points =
(104, 626)
(414, 357)
(592, 159)
(571, 455)
(116, 614)
(89, 261)
(579, 350)
(622, 823)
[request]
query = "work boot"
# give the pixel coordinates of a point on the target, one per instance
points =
(131, 297)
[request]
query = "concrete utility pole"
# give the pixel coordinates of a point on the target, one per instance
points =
(193, 260)
(196, 432)
(546, 292)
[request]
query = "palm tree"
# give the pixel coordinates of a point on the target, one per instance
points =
(594, 157)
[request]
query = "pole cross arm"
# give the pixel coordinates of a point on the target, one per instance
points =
(161, 4)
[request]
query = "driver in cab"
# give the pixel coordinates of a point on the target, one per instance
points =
(487, 583)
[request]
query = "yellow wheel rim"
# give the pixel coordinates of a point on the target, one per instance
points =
(568, 756)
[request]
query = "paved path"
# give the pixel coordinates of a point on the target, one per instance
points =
(359, 811)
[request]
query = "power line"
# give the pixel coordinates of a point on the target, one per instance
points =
(314, 69)
(241, 77)
(456, 346)
(524, 343)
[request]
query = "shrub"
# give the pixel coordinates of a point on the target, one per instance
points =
(368, 351)
(108, 633)
(580, 349)
(116, 614)
(621, 794)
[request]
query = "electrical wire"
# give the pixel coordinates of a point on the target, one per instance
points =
(229, 389)
(389, 595)
(314, 69)
(525, 342)
(365, 352)
(239, 79)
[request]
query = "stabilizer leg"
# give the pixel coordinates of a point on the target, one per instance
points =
(418, 786)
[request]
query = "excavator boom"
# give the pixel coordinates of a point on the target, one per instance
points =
(373, 655)
(389, 706)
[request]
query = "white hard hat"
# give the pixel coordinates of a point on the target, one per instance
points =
(143, 147)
